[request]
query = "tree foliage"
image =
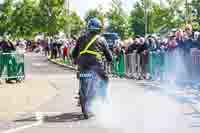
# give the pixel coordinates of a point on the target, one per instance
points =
(97, 13)
(159, 18)
(5, 15)
(26, 18)
(118, 19)
(136, 20)
(196, 7)
(76, 24)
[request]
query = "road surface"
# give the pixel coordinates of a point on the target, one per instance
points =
(134, 107)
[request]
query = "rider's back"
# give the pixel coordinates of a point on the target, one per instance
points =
(86, 61)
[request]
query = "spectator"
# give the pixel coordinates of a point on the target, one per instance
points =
(21, 48)
(7, 46)
(180, 39)
(188, 40)
(66, 51)
(134, 46)
(151, 44)
(188, 32)
(141, 46)
(172, 43)
(54, 50)
(142, 52)
(196, 41)
(58, 46)
(46, 48)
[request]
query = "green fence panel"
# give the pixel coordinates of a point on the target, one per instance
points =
(156, 64)
(12, 66)
(115, 70)
(1, 65)
(121, 65)
(152, 64)
(4, 65)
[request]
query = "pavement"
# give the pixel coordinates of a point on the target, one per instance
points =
(60, 62)
(24, 97)
(133, 107)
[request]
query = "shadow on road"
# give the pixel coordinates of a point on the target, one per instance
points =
(66, 117)
(29, 119)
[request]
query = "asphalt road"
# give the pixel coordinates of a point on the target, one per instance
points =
(133, 107)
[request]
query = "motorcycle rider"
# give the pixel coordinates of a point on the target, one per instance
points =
(90, 50)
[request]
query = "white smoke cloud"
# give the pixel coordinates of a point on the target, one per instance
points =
(138, 112)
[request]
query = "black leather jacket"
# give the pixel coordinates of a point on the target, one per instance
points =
(88, 61)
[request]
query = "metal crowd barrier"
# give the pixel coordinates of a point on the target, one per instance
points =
(117, 67)
(195, 62)
(136, 65)
(166, 66)
(108, 67)
(154, 65)
(12, 66)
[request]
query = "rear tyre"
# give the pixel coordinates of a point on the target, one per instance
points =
(83, 107)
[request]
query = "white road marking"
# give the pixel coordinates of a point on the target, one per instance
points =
(39, 113)
(39, 64)
(23, 127)
(39, 117)
(49, 76)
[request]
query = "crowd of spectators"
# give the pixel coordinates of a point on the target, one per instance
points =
(20, 46)
(58, 48)
(187, 42)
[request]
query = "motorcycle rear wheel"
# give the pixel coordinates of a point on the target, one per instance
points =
(83, 107)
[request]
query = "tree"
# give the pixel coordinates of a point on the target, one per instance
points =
(22, 19)
(161, 18)
(50, 11)
(118, 19)
(54, 18)
(196, 11)
(175, 11)
(76, 24)
(158, 17)
(94, 13)
(26, 18)
(5, 14)
(136, 19)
